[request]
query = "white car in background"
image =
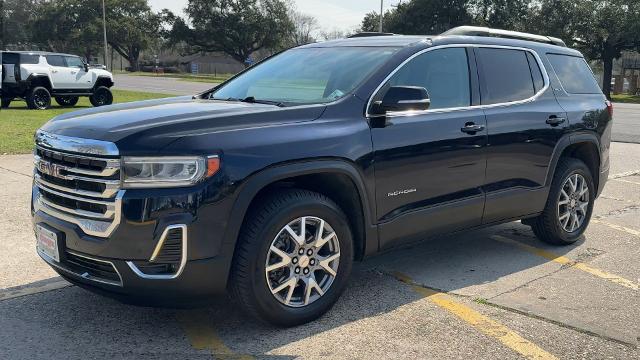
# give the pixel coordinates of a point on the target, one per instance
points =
(36, 77)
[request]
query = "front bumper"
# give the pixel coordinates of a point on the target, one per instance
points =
(196, 283)
(145, 215)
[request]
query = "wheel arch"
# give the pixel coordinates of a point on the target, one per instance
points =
(582, 146)
(39, 80)
(324, 176)
(103, 81)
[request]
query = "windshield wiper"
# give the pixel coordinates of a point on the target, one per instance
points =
(253, 100)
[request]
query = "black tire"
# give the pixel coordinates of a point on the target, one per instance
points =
(101, 96)
(5, 102)
(39, 98)
(67, 101)
(547, 227)
(248, 283)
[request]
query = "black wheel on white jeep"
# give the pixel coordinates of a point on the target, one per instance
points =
(5, 102)
(293, 259)
(101, 96)
(39, 98)
(67, 100)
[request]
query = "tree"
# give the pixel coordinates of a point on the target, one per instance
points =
(303, 27)
(501, 14)
(16, 17)
(68, 26)
(600, 29)
(236, 27)
(421, 17)
(132, 28)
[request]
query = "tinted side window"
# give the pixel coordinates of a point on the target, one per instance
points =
(74, 62)
(10, 58)
(55, 60)
(506, 75)
(536, 74)
(444, 73)
(574, 74)
(29, 59)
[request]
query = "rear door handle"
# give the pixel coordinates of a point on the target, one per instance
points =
(471, 128)
(554, 120)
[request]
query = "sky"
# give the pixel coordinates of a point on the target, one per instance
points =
(331, 14)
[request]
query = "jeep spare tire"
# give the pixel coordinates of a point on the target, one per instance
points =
(39, 98)
(67, 100)
(101, 96)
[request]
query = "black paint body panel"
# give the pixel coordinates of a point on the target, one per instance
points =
(461, 180)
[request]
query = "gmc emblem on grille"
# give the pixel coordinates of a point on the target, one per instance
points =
(50, 169)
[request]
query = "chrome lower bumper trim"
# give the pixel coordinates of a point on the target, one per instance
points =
(183, 259)
(84, 275)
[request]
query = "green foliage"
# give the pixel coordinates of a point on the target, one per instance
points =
(18, 124)
(14, 15)
(600, 29)
(421, 17)
(235, 27)
(76, 26)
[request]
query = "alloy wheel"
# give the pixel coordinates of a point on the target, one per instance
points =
(302, 261)
(573, 203)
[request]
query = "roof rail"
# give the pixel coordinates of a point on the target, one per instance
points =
(485, 31)
(368, 33)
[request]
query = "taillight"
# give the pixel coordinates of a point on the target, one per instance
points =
(609, 108)
(16, 72)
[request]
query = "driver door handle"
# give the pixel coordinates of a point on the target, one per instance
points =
(472, 128)
(554, 120)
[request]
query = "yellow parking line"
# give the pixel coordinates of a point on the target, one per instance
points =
(627, 181)
(572, 263)
(617, 227)
(489, 327)
(203, 336)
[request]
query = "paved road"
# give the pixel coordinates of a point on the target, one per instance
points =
(159, 85)
(626, 126)
(495, 293)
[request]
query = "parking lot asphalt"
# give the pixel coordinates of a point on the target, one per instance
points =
(493, 293)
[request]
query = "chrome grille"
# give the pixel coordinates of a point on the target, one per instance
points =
(82, 189)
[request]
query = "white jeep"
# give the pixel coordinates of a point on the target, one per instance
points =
(38, 76)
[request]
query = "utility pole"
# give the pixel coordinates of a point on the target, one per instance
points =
(104, 30)
(381, 3)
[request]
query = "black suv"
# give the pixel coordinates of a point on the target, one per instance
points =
(271, 184)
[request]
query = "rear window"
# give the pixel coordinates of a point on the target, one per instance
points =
(14, 58)
(574, 73)
(507, 76)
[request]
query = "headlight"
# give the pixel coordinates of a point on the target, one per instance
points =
(155, 172)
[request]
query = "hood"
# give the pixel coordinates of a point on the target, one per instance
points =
(152, 124)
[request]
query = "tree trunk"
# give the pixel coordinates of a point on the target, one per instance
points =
(607, 75)
(133, 61)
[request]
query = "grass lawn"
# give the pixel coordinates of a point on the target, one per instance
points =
(205, 78)
(18, 123)
(622, 98)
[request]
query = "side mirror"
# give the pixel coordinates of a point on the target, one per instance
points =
(86, 67)
(403, 98)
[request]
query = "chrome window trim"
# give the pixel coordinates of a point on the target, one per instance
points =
(85, 275)
(75, 144)
(392, 114)
(88, 226)
(183, 258)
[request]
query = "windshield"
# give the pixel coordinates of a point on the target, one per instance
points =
(305, 76)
